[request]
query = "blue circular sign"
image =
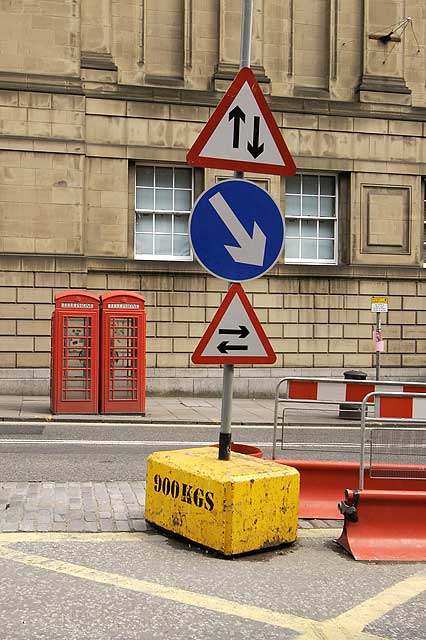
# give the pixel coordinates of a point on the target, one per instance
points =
(236, 230)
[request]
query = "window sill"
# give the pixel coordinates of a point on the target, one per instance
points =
(165, 258)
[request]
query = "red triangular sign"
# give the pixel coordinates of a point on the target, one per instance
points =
(242, 134)
(235, 335)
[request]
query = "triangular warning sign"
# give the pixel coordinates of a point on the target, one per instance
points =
(235, 335)
(242, 134)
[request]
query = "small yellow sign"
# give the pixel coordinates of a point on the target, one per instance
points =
(379, 304)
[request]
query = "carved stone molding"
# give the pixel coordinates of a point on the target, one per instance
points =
(225, 72)
(385, 223)
(102, 61)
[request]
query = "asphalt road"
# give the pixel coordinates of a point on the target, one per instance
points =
(153, 586)
(79, 452)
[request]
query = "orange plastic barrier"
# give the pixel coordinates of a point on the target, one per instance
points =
(385, 525)
(247, 449)
(322, 483)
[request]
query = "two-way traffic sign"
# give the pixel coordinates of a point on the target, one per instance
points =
(242, 134)
(236, 230)
(235, 335)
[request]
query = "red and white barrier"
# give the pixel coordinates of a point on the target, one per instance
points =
(330, 390)
(385, 525)
(403, 406)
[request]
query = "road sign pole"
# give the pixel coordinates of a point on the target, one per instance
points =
(225, 421)
(228, 369)
(246, 27)
(378, 336)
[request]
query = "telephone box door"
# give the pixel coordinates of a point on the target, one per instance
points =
(75, 353)
(123, 353)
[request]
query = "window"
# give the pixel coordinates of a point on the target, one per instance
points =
(164, 199)
(311, 219)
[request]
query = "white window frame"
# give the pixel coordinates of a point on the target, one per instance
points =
(335, 219)
(173, 213)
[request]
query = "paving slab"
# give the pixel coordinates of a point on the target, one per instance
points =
(158, 409)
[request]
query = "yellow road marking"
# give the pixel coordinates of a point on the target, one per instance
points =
(348, 625)
(121, 536)
(380, 604)
(219, 605)
(319, 533)
(67, 536)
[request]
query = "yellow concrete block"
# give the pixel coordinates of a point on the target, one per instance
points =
(231, 506)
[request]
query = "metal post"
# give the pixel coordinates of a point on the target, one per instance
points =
(225, 420)
(378, 329)
(228, 369)
(246, 27)
(362, 438)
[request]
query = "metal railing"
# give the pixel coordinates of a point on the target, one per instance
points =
(311, 411)
(399, 444)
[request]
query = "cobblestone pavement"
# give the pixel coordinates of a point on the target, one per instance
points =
(72, 506)
(82, 507)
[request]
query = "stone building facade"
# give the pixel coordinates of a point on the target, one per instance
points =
(100, 101)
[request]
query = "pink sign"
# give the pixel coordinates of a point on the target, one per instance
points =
(379, 344)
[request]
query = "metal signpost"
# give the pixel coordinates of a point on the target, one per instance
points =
(230, 230)
(379, 304)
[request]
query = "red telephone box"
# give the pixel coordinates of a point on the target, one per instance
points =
(123, 349)
(74, 381)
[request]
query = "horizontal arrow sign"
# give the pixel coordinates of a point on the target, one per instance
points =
(242, 332)
(235, 317)
(224, 347)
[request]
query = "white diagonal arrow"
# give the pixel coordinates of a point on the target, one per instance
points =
(252, 248)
